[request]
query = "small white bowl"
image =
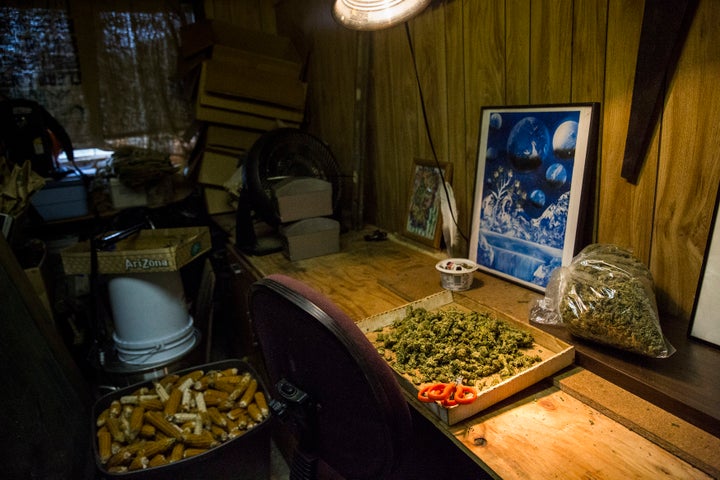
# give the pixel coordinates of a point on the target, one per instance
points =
(456, 274)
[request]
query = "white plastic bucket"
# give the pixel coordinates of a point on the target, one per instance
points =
(152, 323)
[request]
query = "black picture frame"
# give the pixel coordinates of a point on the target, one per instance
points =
(534, 182)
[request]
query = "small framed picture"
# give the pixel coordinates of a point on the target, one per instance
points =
(535, 174)
(705, 320)
(424, 220)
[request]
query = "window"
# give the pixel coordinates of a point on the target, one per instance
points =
(105, 70)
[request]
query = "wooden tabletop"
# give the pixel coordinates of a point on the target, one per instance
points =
(573, 425)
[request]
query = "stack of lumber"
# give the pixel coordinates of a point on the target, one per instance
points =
(243, 83)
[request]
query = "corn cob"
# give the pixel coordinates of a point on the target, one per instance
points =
(203, 440)
(104, 445)
(158, 460)
(177, 453)
(113, 425)
(159, 422)
(150, 449)
(138, 462)
(191, 452)
(249, 393)
(262, 403)
(173, 402)
(254, 412)
(152, 404)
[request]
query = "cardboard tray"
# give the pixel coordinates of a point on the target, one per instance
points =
(554, 353)
(161, 250)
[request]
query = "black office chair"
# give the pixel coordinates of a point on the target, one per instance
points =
(329, 386)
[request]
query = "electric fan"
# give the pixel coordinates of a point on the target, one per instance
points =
(275, 156)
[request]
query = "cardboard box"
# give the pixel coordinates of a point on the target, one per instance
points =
(161, 250)
(123, 196)
(216, 168)
(311, 237)
(303, 197)
(227, 137)
(61, 199)
(224, 78)
(218, 200)
(245, 105)
(259, 47)
(239, 119)
(554, 353)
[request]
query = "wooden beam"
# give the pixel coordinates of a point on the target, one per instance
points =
(664, 28)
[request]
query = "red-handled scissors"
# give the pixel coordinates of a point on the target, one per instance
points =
(448, 394)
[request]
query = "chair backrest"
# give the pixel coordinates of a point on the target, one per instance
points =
(355, 419)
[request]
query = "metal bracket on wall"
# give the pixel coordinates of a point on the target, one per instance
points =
(664, 29)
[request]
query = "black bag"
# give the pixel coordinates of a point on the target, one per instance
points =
(29, 132)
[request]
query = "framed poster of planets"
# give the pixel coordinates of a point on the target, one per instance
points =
(534, 180)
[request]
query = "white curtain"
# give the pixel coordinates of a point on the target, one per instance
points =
(105, 69)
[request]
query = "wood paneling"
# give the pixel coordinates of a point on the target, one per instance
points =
(688, 172)
(550, 51)
(473, 53)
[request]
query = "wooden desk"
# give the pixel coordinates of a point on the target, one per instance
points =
(573, 425)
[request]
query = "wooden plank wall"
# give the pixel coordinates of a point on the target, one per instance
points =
(474, 53)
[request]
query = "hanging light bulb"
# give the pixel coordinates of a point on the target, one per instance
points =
(375, 14)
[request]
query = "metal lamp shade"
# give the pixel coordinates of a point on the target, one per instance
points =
(375, 14)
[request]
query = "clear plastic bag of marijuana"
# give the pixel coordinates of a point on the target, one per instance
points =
(605, 295)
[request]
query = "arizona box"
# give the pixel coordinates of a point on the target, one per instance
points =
(160, 250)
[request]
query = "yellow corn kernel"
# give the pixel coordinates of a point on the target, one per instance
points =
(147, 431)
